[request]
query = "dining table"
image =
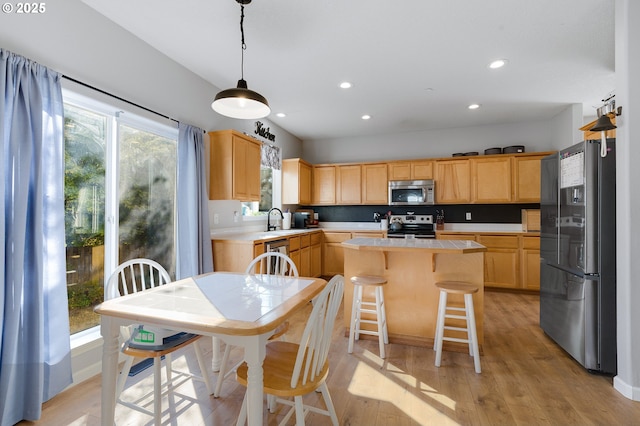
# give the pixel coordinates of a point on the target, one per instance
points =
(240, 309)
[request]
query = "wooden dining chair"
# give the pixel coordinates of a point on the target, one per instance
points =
(298, 369)
(275, 263)
(141, 341)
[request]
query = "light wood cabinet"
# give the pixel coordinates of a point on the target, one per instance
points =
(296, 181)
(453, 181)
(501, 261)
(526, 179)
(233, 256)
(411, 170)
(324, 185)
(491, 180)
(374, 184)
(349, 184)
(530, 261)
(333, 252)
(234, 166)
(511, 261)
(316, 254)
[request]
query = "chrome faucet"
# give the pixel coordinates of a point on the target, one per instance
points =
(269, 226)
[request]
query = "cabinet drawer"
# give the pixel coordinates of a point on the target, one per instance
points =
(455, 236)
(316, 238)
(336, 237)
(502, 241)
(305, 240)
(294, 243)
(368, 235)
(531, 243)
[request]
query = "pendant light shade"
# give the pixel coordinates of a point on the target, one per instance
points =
(240, 102)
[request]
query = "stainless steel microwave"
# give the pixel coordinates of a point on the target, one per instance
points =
(411, 192)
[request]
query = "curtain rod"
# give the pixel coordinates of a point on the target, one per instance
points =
(118, 98)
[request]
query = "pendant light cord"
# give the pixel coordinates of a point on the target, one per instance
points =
(243, 44)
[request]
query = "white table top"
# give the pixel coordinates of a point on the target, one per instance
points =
(225, 303)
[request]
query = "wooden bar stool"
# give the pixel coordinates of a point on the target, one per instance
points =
(466, 289)
(360, 306)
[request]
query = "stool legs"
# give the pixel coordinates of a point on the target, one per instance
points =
(355, 317)
(469, 317)
(380, 321)
(472, 333)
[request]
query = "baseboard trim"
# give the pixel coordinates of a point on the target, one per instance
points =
(628, 391)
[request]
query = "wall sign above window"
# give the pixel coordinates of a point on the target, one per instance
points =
(264, 132)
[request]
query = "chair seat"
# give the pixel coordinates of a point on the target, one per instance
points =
(278, 368)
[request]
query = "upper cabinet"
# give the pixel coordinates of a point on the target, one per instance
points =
(526, 179)
(234, 166)
(349, 184)
(453, 181)
(324, 185)
(374, 184)
(411, 170)
(296, 181)
(491, 182)
(486, 179)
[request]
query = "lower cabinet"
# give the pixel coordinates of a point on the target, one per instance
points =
(306, 252)
(530, 263)
(510, 262)
(501, 261)
(333, 252)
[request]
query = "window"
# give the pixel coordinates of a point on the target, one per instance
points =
(120, 178)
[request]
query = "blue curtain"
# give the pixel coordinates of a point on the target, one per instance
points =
(35, 354)
(194, 236)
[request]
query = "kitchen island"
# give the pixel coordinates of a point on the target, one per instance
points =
(411, 267)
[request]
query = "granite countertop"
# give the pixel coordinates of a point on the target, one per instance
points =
(403, 244)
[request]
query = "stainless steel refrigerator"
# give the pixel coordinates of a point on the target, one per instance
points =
(578, 253)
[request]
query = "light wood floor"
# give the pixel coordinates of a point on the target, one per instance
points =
(526, 380)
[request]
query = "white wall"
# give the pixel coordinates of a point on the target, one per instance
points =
(628, 198)
(535, 136)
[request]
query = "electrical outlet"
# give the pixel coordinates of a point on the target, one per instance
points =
(216, 218)
(468, 216)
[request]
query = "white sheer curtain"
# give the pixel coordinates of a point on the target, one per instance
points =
(194, 236)
(35, 354)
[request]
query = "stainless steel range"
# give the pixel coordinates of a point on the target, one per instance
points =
(418, 225)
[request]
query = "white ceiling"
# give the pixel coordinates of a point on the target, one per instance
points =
(415, 64)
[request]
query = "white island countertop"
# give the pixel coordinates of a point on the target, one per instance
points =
(421, 244)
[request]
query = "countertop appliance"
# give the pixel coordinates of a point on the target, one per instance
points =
(578, 253)
(411, 192)
(418, 225)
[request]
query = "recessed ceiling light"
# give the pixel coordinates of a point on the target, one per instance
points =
(281, 114)
(474, 106)
(499, 63)
(345, 85)
(366, 117)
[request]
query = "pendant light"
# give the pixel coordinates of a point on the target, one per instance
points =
(240, 102)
